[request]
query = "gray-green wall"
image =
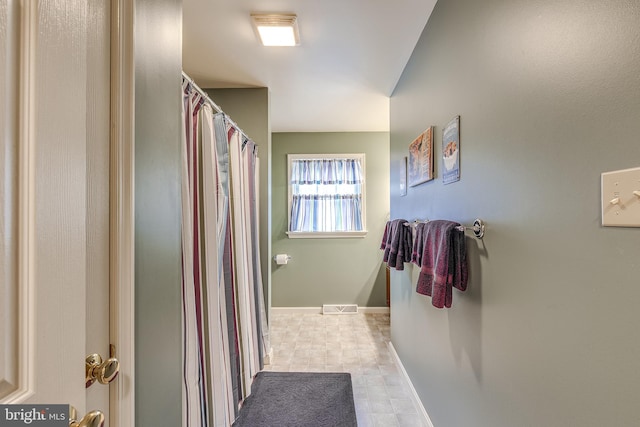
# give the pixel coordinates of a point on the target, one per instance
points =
(158, 340)
(249, 109)
(549, 98)
(331, 271)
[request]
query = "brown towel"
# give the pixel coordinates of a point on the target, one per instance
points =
(418, 244)
(385, 235)
(460, 266)
(397, 246)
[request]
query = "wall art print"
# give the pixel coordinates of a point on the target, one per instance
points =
(451, 151)
(403, 176)
(420, 166)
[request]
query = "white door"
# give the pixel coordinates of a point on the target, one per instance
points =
(97, 220)
(54, 163)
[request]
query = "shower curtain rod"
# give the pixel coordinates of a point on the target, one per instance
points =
(214, 105)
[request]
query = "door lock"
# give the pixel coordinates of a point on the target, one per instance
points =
(97, 370)
(92, 419)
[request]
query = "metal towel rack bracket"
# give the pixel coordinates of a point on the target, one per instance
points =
(478, 228)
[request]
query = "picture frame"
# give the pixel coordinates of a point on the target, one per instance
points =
(403, 176)
(451, 151)
(420, 167)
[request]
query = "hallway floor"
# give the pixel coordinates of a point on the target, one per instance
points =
(354, 343)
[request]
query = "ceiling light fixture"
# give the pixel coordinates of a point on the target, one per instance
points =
(276, 29)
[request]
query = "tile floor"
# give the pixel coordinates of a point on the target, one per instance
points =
(354, 343)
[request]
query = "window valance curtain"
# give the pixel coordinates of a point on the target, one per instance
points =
(326, 195)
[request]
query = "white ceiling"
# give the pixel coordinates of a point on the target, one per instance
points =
(339, 79)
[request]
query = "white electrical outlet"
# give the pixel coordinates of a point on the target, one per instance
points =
(621, 198)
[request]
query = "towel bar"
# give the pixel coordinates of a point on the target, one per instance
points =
(477, 227)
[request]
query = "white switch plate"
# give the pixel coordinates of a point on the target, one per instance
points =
(620, 205)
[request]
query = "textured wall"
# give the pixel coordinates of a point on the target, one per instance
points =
(158, 62)
(331, 271)
(549, 97)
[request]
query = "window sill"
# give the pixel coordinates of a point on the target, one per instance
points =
(326, 234)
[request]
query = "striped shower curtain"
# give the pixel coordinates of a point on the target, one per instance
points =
(225, 334)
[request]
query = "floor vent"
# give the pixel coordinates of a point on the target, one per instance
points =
(339, 308)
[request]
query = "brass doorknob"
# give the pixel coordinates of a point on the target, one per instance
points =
(103, 372)
(92, 419)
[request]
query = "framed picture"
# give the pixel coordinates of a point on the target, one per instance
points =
(421, 158)
(451, 151)
(403, 176)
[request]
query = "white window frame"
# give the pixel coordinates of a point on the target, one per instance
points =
(326, 234)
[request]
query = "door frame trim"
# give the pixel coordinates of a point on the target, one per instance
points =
(26, 206)
(25, 286)
(122, 261)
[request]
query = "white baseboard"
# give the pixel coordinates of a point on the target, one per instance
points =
(318, 310)
(295, 310)
(374, 310)
(414, 395)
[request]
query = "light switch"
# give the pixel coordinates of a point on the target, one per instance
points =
(620, 198)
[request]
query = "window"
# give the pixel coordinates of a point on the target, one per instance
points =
(326, 195)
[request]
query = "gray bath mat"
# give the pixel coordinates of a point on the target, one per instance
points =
(299, 399)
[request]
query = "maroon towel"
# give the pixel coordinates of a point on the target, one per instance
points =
(443, 262)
